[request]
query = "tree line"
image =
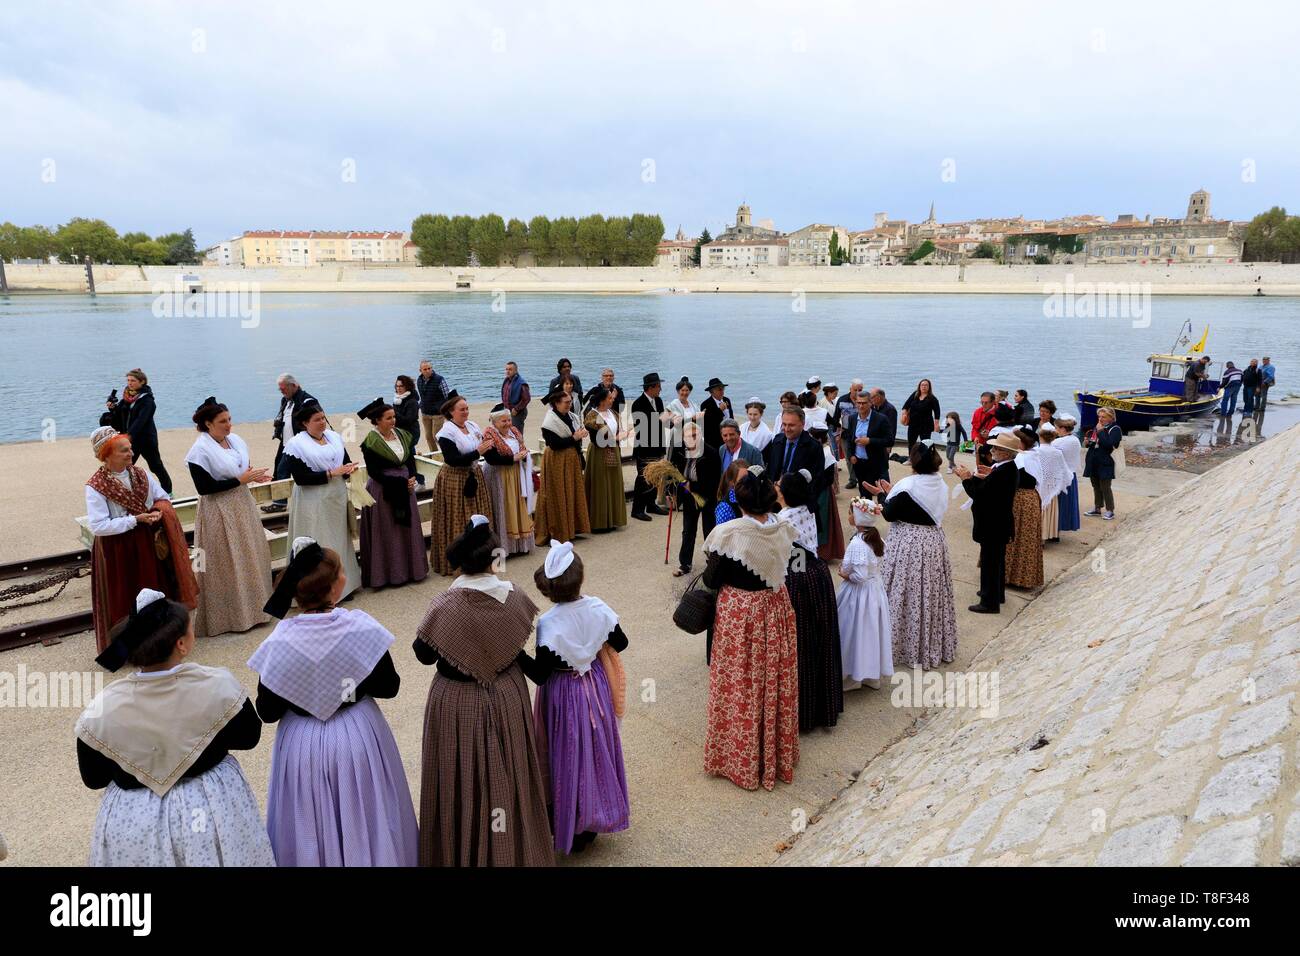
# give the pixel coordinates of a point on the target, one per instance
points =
(593, 240)
(1273, 236)
(78, 238)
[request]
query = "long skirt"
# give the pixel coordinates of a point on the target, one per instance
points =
(510, 518)
(561, 513)
(606, 503)
(391, 553)
(817, 624)
(321, 512)
(830, 532)
(752, 735)
(139, 828)
(1050, 524)
(917, 573)
(121, 565)
(1025, 551)
(338, 794)
(451, 511)
(1068, 506)
(866, 634)
(235, 571)
(483, 776)
(575, 714)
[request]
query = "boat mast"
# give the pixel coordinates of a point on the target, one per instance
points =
(1186, 340)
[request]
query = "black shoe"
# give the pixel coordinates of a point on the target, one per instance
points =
(901, 459)
(640, 516)
(983, 609)
(656, 510)
(850, 483)
(275, 507)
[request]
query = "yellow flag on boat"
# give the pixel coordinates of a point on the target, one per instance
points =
(1200, 346)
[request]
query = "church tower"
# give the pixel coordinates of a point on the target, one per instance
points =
(1198, 206)
(742, 216)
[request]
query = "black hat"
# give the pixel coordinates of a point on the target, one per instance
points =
(685, 381)
(302, 415)
(146, 617)
(304, 560)
(477, 531)
(650, 380)
(449, 402)
(553, 397)
(500, 408)
(716, 383)
(374, 410)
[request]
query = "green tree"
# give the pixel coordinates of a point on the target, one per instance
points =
(921, 251)
(181, 249)
(591, 239)
(1271, 236)
(539, 240)
(563, 241)
(432, 234)
(839, 255)
(985, 250)
(459, 241)
(617, 234)
(487, 238)
(704, 239)
(516, 241)
(149, 253)
(79, 238)
(643, 242)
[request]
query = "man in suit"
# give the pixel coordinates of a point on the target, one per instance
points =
(869, 436)
(292, 398)
(648, 425)
(733, 447)
(992, 494)
(794, 449)
(883, 406)
(715, 409)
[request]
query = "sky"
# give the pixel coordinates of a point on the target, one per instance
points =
(227, 116)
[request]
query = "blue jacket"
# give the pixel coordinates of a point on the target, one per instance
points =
(432, 392)
(1100, 460)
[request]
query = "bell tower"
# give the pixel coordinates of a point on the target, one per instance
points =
(1198, 206)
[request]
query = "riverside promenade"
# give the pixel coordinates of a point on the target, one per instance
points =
(679, 815)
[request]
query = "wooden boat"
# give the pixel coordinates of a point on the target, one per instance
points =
(1162, 400)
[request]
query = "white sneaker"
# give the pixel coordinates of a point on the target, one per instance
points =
(1108, 516)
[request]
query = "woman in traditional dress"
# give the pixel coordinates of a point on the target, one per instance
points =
(392, 535)
(866, 634)
(1056, 479)
(917, 567)
(235, 572)
(561, 513)
(683, 410)
(1025, 550)
(320, 507)
(458, 491)
(830, 533)
(606, 502)
(483, 773)
(701, 467)
(753, 429)
(752, 734)
(158, 743)
(727, 509)
(338, 794)
(575, 706)
(812, 595)
(508, 473)
(138, 540)
(1067, 443)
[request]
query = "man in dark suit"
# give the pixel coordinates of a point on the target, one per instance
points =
(883, 405)
(794, 449)
(992, 495)
(715, 409)
(292, 399)
(648, 426)
(868, 434)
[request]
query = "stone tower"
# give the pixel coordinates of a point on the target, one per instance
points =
(742, 216)
(1198, 206)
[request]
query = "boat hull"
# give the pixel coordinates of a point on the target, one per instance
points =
(1137, 414)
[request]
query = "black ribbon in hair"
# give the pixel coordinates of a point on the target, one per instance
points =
(302, 564)
(130, 632)
(472, 537)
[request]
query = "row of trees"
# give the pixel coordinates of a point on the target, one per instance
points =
(1273, 236)
(78, 238)
(590, 241)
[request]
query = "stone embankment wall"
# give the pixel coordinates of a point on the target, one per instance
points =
(978, 277)
(1146, 712)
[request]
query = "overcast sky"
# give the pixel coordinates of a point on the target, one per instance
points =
(232, 115)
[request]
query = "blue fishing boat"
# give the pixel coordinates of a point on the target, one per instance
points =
(1163, 400)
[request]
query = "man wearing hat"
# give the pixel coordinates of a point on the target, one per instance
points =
(715, 408)
(991, 497)
(648, 420)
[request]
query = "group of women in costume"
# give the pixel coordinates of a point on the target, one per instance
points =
(505, 781)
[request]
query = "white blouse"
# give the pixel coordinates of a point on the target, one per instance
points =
(106, 517)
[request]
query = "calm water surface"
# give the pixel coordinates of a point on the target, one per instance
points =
(62, 354)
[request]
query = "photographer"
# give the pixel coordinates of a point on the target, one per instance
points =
(132, 415)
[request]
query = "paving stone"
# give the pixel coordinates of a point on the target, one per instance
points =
(1165, 787)
(1238, 843)
(976, 826)
(1291, 841)
(1190, 730)
(1217, 660)
(1277, 675)
(1285, 641)
(1089, 728)
(1241, 785)
(1026, 821)
(1255, 725)
(1149, 843)
(954, 859)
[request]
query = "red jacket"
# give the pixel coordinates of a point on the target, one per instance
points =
(981, 422)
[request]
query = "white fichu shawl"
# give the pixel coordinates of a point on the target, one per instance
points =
(803, 522)
(324, 457)
(1036, 465)
(1056, 469)
(577, 630)
(762, 548)
(930, 492)
(465, 441)
(553, 423)
(221, 463)
(156, 727)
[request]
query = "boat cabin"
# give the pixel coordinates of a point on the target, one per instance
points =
(1168, 372)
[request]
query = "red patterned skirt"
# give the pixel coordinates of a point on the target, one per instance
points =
(753, 715)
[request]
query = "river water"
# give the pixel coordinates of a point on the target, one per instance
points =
(61, 354)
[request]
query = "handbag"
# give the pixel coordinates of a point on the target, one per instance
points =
(696, 608)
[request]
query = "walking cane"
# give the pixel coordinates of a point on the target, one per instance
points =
(668, 542)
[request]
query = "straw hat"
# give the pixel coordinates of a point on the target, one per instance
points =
(1007, 442)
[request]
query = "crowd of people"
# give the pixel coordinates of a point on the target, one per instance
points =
(760, 501)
